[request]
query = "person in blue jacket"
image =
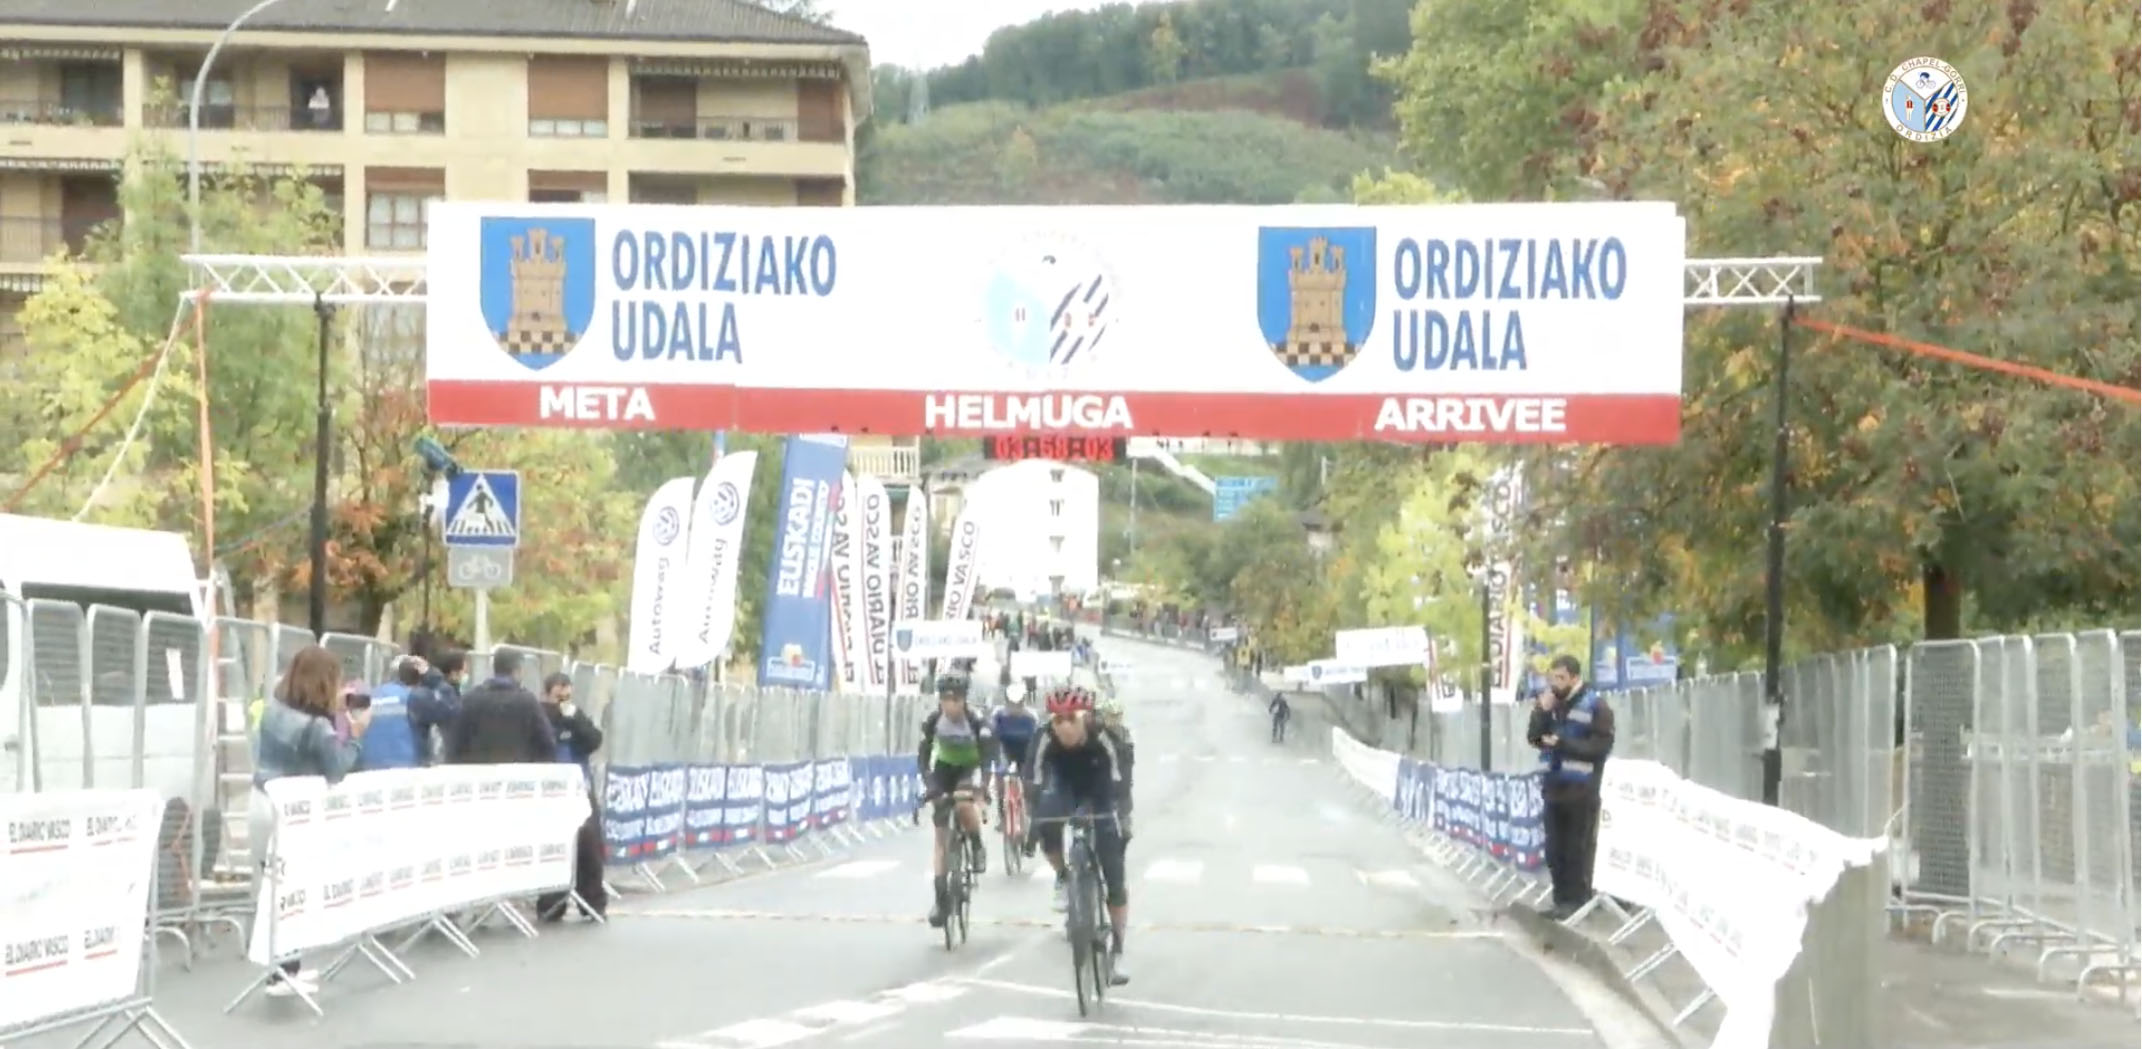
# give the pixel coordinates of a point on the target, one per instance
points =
(404, 712)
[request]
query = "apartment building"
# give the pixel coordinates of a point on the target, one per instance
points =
(392, 104)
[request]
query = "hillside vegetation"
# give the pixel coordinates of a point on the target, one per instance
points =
(1119, 48)
(1000, 153)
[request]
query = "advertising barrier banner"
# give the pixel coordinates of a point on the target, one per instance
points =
(76, 868)
(389, 847)
(1555, 322)
(796, 645)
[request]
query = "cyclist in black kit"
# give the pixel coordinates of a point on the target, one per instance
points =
(1082, 766)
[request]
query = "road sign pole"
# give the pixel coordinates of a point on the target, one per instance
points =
(483, 620)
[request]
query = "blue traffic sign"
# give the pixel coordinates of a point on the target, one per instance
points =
(483, 508)
(1230, 494)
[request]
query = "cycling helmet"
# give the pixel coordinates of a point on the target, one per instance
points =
(952, 685)
(1069, 699)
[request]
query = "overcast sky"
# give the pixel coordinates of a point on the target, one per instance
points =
(931, 33)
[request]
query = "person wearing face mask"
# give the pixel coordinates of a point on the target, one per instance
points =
(1573, 730)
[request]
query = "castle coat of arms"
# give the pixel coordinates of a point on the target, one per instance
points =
(538, 285)
(1316, 295)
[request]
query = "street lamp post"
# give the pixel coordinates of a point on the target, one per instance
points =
(193, 122)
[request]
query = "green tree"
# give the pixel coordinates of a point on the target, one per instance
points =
(1925, 494)
(99, 317)
(1164, 52)
(573, 568)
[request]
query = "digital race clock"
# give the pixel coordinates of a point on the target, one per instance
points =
(1061, 448)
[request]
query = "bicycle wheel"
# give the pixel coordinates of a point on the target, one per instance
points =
(1103, 965)
(966, 901)
(1078, 927)
(952, 905)
(1013, 824)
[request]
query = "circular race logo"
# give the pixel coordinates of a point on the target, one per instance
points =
(1048, 306)
(726, 503)
(1925, 99)
(667, 526)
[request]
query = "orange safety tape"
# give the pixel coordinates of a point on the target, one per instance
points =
(1927, 349)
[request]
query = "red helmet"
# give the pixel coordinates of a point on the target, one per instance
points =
(1069, 699)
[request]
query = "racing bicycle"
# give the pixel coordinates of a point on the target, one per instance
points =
(1086, 916)
(1011, 817)
(960, 853)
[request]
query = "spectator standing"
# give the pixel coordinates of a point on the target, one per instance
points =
(444, 677)
(578, 740)
(404, 713)
(501, 722)
(1573, 728)
(309, 730)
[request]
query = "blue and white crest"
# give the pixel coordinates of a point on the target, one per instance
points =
(1925, 99)
(1316, 295)
(1048, 306)
(538, 285)
(903, 638)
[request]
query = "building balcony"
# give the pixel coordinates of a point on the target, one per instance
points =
(727, 144)
(32, 129)
(27, 241)
(215, 117)
(889, 462)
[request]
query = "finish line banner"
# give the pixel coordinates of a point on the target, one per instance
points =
(1487, 323)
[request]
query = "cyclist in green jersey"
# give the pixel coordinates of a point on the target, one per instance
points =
(955, 745)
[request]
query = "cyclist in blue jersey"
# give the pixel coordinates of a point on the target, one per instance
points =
(1016, 726)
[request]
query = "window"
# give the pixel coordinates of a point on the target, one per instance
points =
(569, 128)
(665, 107)
(377, 123)
(90, 91)
(395, 219)
(568, 96)
(404, 93)
(219, 104)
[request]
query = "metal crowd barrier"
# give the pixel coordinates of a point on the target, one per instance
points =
(114, 698)
(2019, 774)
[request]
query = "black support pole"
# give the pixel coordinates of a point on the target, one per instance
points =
(322, 448)
(1487, 670)
(1774, 567)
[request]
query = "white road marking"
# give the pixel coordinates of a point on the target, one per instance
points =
(1395, 879)
(760, 1034)
(1179, 872)
(858, 869)
(1205, 759)
(1278, 874)
(930, 992)
(1028, 1029)
(1295, 1018)
(1237, 759)
(848, 1013)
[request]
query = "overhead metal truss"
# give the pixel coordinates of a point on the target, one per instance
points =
(348, 280)
(1749, 282)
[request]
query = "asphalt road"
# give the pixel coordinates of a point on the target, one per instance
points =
(1269, 909)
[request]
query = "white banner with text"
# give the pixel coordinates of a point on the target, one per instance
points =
(75, 875)
(1557, 322)
(381, 849)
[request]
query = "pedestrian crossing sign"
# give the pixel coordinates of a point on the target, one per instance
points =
(483, 508)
